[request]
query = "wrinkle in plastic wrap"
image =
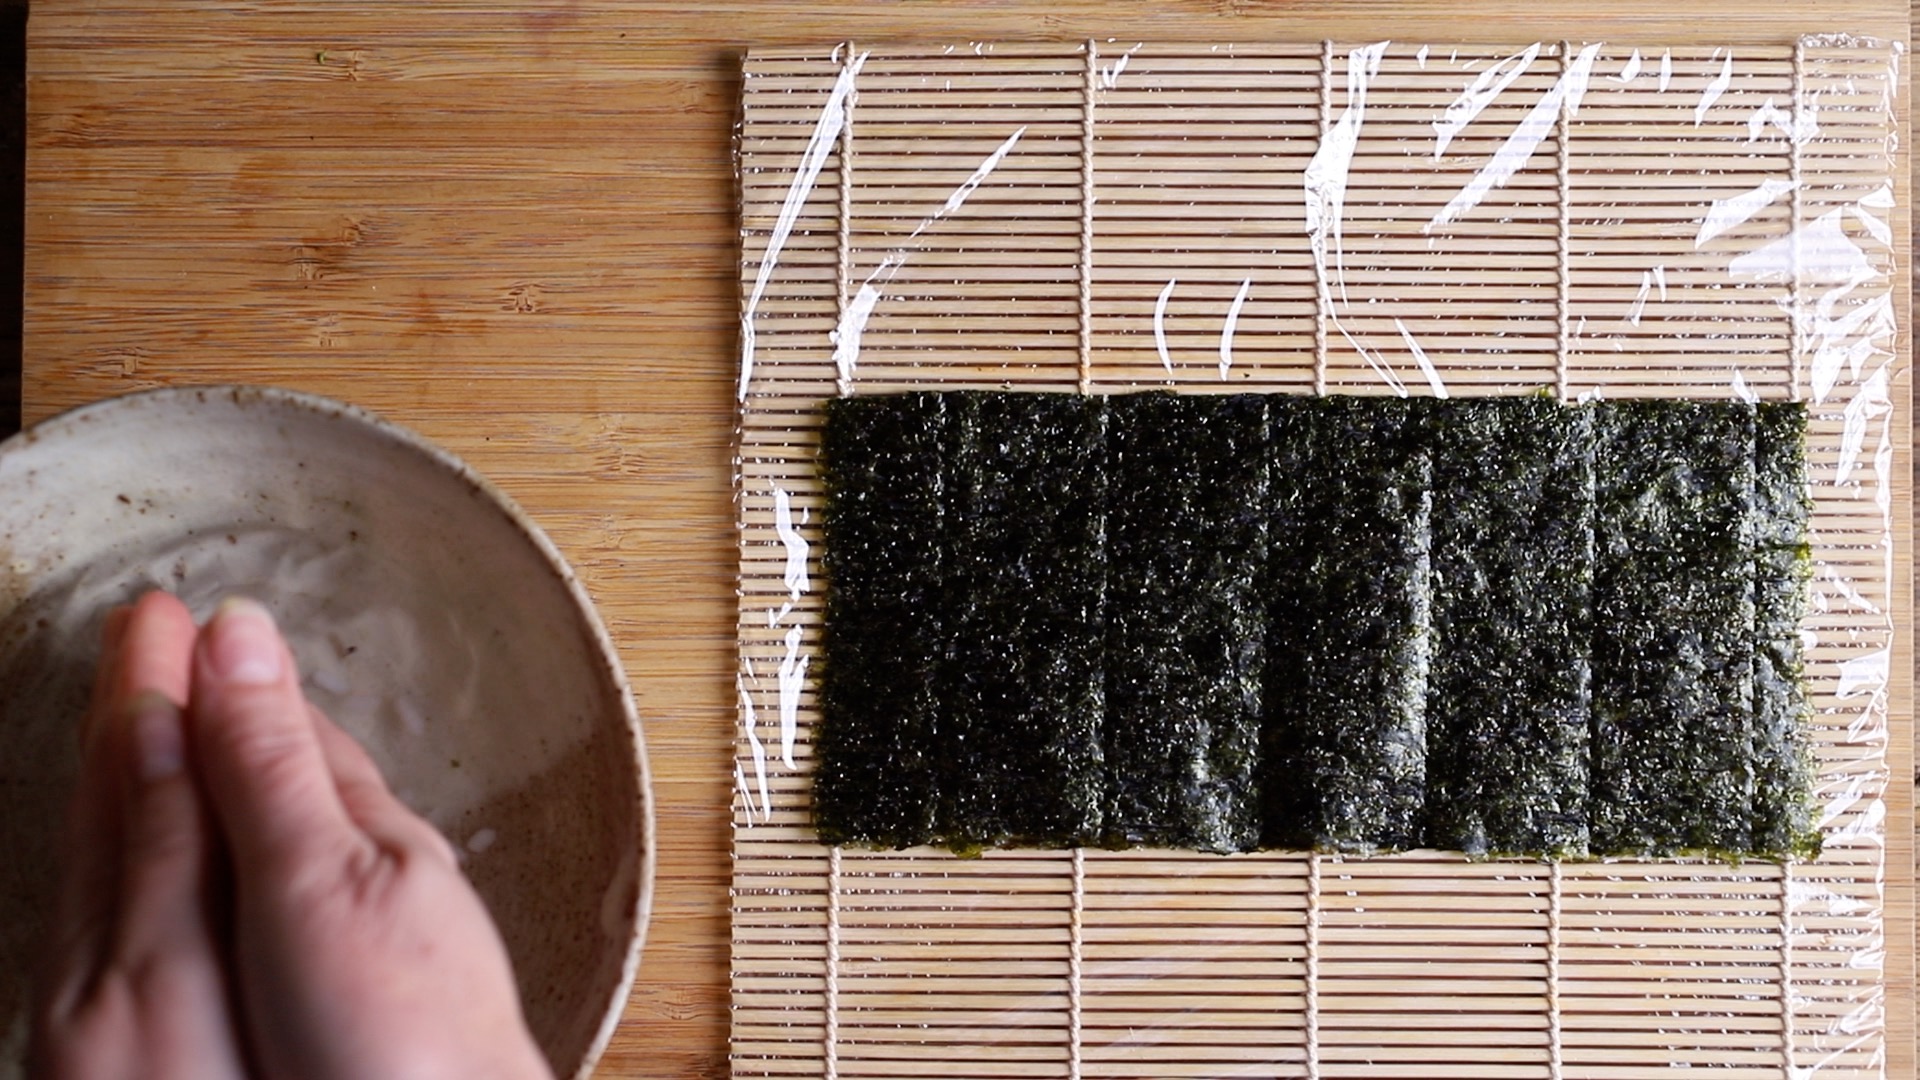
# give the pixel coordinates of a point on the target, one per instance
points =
(1383, 217)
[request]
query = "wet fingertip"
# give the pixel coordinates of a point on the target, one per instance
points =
(242, 644)
(159, 743)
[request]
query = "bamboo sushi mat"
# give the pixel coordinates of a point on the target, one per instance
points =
(1338, 218)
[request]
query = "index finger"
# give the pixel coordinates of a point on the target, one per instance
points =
(254, 741)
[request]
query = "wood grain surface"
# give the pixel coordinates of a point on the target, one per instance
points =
(512, 227)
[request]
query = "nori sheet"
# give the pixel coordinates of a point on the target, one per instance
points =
(1429, 568)
(1784, 821)
(1512, 566)
(1020, 751)
(882, 460)
(1186, 621)
(1344, 743)
(1673, 630)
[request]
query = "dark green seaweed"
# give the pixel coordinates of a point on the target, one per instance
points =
(1021, 760)
(1353, 624)
(1784, 823)
(1186, 621)
(882, 460)
(1344, 740)
(1673, 630)
(1512, 566)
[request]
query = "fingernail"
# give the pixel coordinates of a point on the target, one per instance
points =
(242, 644)
(159, 749)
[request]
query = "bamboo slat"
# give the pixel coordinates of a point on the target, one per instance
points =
(1105, 217)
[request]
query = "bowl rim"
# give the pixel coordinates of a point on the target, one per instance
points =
(249, 395)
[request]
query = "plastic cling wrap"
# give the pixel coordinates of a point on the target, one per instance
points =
(1584, 220)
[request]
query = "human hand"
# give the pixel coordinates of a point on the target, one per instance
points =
(357, 948)
(361, 949)
(137, 985)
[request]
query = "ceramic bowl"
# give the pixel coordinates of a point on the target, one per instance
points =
(430, 617)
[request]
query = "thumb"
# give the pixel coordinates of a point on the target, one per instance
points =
(255, 744)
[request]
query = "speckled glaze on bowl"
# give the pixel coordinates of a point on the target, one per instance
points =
(430, 617)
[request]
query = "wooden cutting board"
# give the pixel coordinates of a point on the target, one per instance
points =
(513, 227)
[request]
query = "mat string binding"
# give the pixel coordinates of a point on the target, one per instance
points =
(843, 278)
(1563, 298)
(1075, 937)
(1074, 915)
(1312, 1004)
(1086, 217)
(1322, 291)
(832, 1036)
(1796, 349)
(1554, 907)
(843, 264)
